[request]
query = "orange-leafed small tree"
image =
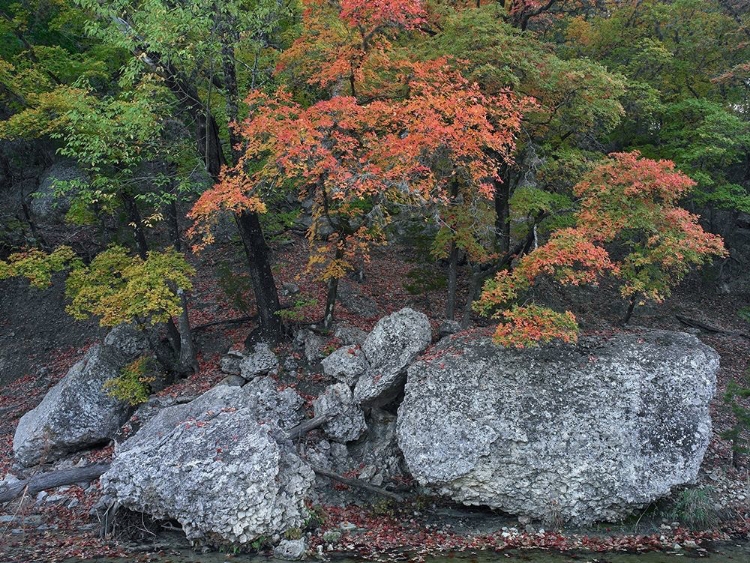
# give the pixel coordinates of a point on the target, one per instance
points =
(427, 138)
(628, 202)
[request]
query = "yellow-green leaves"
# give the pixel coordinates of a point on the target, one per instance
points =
(119, 288)
(37, 266)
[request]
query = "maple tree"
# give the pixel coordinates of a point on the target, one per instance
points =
(120, 288)
(629, 201)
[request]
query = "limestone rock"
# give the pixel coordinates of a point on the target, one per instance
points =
(77, 413)
(259, 398)
(291, 550)
(345, 364)
(261, 361)
(353, 301)
(127, 339)
(349, 421)
(591, 432)
(231, 361)
(393, 344)
(311, 343)
(349, 335)
(448, 327)
(222, 475)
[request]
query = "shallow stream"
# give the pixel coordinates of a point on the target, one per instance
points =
(715, 553)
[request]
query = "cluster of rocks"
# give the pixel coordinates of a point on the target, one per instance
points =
(566, 433)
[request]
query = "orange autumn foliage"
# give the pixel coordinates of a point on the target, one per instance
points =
(348, 157)
(627, 200)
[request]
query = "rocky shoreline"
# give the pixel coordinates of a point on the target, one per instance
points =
(551, 439)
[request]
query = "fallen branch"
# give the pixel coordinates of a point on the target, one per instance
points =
(358, 483)
(238, 320)
(53, 479)
(693, 323)
(307, 426)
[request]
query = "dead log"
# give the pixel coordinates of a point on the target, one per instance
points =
(53, 479)
(237, 321)
(358, 483)
(694, 323)
(305, 427)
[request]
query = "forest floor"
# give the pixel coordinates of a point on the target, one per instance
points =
(39, 342)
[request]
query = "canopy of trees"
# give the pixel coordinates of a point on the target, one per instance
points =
(564, 139)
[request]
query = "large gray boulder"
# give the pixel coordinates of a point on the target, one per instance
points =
(393, 344)
(77, 413)
(219, 465)
(584, 433)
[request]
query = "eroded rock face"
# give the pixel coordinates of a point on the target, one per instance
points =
(259, 397)
(586, 433)
(46, 203)
(223, 477)
(348, 423)
(345, 364)
(217, 465)
(393, 343)
(260, 361)
(77, 413)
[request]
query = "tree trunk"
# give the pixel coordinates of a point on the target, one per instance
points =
(188, 360)
(450, 308)
(173, 225)
(631, 307)
(333, 287)
(476, 278)
(136, 223)
(502, 210)
(264, 286)
(209, 147)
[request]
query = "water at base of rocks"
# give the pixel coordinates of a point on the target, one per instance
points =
(714, 553)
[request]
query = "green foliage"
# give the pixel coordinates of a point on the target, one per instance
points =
(37, 266)
(133, 385)
(261, 543)
(120, 288)
(384, 507)
(293, 534)
(696, 509)
(301, 308)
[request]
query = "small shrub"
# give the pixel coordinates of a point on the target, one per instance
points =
(297, 312)
(384, 507)
(261, 543)
(316, 517)
(695, 508)
(293, 534)
(133, 384)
